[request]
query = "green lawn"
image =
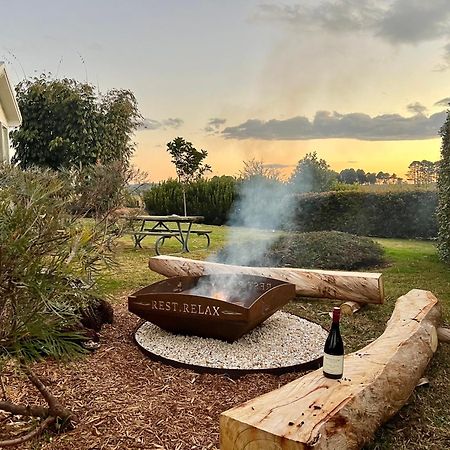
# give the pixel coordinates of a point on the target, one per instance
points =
(424, 423)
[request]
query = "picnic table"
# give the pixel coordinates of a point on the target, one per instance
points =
(166, 227)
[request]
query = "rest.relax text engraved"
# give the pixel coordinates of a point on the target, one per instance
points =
(188, 308)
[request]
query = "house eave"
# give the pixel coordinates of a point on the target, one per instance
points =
(8, 100)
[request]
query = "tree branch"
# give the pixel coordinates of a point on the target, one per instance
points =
(55, 408)
(25, 410)
(26, 437)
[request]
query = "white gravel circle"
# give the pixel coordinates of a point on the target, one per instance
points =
(283, 340)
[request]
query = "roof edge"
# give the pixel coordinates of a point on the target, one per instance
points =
(12, 111)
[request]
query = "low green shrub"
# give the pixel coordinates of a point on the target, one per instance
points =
(399, 214)
(315, 250)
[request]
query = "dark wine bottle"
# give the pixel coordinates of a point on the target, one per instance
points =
(333, 358)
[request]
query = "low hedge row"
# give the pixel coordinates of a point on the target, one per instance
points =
(209, 198)
(408, 214)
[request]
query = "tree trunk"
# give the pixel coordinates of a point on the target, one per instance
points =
(356, 286)
(184, 201)
(314, 412)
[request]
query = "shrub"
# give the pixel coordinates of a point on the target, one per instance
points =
(43, 250)
(315, 250)
(400, 214)
(209, 198)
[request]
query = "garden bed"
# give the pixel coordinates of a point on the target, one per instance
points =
(124, 400)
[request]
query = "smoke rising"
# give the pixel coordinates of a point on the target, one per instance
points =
(263, 204)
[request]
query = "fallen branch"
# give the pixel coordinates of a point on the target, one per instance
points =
(19, 409)
(50, 415)
(26, 437)
(356, 286)
(320, 413)
(55, 408)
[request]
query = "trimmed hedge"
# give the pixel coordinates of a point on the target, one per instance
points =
(209, 198)
(408, 214)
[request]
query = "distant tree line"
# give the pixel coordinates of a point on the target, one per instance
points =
(423, 172)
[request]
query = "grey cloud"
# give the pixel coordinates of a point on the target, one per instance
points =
(214, 125)
(277, 166)
(343, 16)
(399, 21)
(152, 124)
(416, 107)
(173, 122)
(414, 21)
(327, 125)
(444, 102)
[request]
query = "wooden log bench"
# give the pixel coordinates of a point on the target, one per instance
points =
(314, 412)
(360, 287)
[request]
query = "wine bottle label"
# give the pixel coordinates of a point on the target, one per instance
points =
(332, 364)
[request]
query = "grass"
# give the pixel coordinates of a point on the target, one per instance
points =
(424, 423)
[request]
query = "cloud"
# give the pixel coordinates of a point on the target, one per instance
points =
(414, 21)
(277, 166)
(416, 108)
(152, 124)
(444, 102)
(398, 21)
(173, 122)
(214, 125)
(343, 16)
(327, 125)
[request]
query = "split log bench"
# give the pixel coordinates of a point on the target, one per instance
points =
(314, 412)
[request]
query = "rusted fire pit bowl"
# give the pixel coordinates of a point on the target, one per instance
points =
(190, 305)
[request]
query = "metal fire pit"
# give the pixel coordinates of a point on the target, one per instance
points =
(177, 306)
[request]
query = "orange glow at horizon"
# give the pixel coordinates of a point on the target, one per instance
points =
(226, 156)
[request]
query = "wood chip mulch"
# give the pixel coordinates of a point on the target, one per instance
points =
(124, 400)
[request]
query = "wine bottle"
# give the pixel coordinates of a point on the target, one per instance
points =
(333, 358)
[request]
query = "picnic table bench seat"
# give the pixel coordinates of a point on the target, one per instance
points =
(163, 235)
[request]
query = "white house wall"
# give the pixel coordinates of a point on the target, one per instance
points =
(2, 116)
(4, 142)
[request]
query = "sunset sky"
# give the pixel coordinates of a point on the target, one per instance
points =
(365, 83)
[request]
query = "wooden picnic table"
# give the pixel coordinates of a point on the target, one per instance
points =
(166, 227)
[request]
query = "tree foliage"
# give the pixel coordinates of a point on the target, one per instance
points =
(66, 124)
(312, 175)
(423, 173)
(254, 168)
(443, 210)
(188, 163)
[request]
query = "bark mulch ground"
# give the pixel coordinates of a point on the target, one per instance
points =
(124, 400)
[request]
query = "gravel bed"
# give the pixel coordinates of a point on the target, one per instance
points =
(283, 340)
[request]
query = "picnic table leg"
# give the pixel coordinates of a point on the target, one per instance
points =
(184, 239)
